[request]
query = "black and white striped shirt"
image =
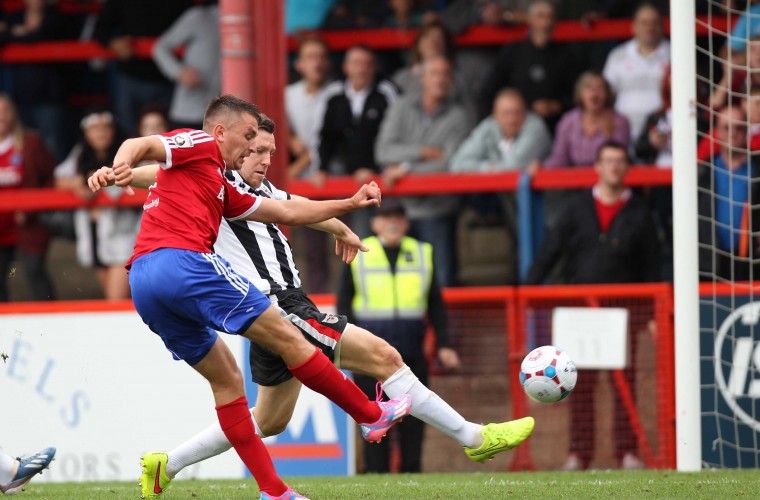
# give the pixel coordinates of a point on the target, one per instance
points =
(258, 251)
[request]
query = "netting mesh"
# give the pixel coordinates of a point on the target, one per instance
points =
(600, 425)
(594, 422)
(728, 79)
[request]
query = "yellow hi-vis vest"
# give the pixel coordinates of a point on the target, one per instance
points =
(381, 294)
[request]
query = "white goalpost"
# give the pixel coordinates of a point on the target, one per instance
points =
(685, 243)
(716, 232)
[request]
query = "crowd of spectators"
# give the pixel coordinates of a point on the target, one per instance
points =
(528, 105)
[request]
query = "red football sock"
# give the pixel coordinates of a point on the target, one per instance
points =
(320, 375)
(237, 424)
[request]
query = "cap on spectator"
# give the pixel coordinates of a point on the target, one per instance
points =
(390, 206)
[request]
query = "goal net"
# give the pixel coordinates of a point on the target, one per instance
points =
(728, 237)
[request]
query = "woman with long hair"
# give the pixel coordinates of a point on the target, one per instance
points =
(25, 162)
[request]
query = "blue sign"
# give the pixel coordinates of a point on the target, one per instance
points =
(730, 382)
(319, 440)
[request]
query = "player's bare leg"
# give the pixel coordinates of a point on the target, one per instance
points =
(220, 368)
(309, 365)
(363, 352)
(275, 406)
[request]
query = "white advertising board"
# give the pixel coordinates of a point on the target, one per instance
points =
(594, 337)
(102, 388)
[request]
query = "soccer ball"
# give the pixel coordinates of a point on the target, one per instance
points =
(547, 374)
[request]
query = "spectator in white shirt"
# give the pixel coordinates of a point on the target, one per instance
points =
(304, 107)
(636, 68)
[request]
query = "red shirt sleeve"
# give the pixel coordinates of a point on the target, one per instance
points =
(239, 203)
(184, 145)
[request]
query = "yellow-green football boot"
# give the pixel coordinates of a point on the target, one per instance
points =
(501, 437)
(154, 480)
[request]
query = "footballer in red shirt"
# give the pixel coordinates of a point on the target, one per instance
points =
(185, 293)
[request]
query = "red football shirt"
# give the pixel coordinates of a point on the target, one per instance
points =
(190, 197)
(11, 177)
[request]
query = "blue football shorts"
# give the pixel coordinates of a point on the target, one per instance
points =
(186, 297)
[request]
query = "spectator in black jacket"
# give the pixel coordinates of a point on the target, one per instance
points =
(606, 235)
(351, 121)
(543, 71)
(138, 81)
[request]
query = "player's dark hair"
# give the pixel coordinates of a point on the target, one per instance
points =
(228, 103)
(266, 124)
(612, 144)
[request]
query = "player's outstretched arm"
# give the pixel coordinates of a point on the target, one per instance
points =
(302, 211)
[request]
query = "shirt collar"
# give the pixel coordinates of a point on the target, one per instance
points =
(633, 48)
(353, 94)
(623, 197)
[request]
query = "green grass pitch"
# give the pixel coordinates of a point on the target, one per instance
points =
(582, 485)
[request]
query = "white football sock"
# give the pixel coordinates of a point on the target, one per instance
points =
(8, 467)
(208, 443)
(431, 409)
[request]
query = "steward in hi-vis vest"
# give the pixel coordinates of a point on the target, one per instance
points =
(391, 299)
(391, 290)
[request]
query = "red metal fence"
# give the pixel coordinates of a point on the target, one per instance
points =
(493, 328)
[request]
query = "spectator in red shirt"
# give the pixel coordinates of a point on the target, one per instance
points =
(606, 235)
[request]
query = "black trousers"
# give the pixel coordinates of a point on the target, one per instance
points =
(410, 432)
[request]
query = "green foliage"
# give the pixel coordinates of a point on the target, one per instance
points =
(586, 485)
